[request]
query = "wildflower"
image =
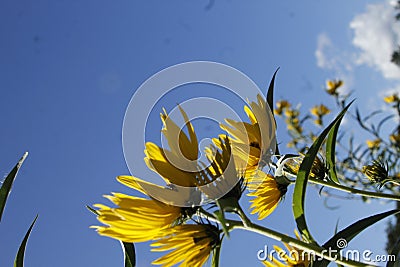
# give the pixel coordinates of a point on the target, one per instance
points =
(292, 120)
(292, 257)
(281, 106)
(135, 219)
(319, 111)
(267, 192)
(373, 144)
(395, 138)
(177, 165)
(292, 143)
(318, 168)
(392, 98)
(226, 180)
(332, 86)
(377, 172)
(251, 141)
(292, 113)
(189, 245)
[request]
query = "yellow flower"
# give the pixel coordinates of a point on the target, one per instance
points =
(320, 110)
(177, 165)
(222, 172)
(135, 219)
(392, 98)
(332, 86)
(318, 169)
(395, 138)
(377, 172)
(251, 141)
(281, 106)
(267, 192)
(373, 144)
(292, 120)
(189, 245)
(292, 257)
(292, 113)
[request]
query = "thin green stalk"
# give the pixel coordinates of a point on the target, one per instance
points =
(215, 260)
(312, 248)
(354, 191)
(205, 214)
(246, 221)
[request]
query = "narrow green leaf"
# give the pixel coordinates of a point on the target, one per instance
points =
(19, 259)
(331, 151)
(7, 184)
(341, 239)
(129, 252)
(270, 101)
(302, 179)
(92, 210)
(395, 251)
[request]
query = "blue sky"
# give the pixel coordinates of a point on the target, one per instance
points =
(68, 70)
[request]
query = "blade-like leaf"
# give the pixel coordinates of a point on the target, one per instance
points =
(302, 179)
(19, 259)
(7, 184)
(378, 128)
(346, 235)
(92, 210)
(331, 150)
(395, 251)
(270, 101)
(130, 255)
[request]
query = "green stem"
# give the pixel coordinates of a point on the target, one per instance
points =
(208, 215)
(246, 221)
(312, 248)
(353, 190)
(215, 260)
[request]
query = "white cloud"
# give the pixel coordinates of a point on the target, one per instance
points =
(329, 57)
(377, 35)
(324, 43)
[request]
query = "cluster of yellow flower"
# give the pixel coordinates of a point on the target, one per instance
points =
(186, 233)
(291, 116)
(190, 235)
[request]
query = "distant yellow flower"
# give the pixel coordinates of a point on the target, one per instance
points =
(251, 141)
(292, 113)
(292, 257)
(267, 192)
(395, 138)
(189, 245)
(281, 106)
(177, 165)
(292, 120)
(373, 144)
(332, 86)
(135, 219)
(319, 111)
(392, 98)
(292, 143)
